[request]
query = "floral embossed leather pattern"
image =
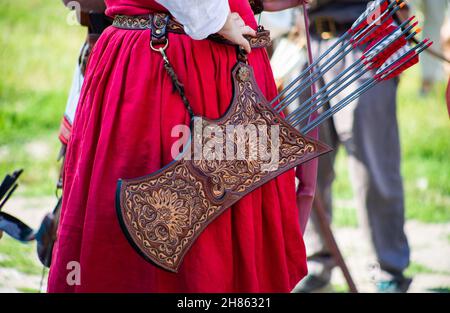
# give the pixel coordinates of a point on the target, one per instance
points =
(163, 213)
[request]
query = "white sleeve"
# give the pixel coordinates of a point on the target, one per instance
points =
(200, 18)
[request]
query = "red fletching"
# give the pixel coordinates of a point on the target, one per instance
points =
(376, 30)
(383, 47)
(408, 61)
(400, 61)
(373, 11)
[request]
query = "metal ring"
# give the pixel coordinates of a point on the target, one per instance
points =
(157, 49)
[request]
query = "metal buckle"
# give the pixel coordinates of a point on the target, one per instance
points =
(164, 46)
(158, 24)
(326, 27)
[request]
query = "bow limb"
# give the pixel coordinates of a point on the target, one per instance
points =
(307, 173)
(399, 19)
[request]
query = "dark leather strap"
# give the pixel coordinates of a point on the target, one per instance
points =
(161, 23)
(158, 25)
(96, 23)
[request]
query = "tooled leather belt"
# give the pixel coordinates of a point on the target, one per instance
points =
(160, 23)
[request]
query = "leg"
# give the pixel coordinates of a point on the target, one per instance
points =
(374, 163)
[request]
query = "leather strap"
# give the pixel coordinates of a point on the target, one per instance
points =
(161, 23)
(158, 25)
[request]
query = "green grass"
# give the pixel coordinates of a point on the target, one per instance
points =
(344, 216)
(425, 139)
(22, 257)
(38, 50)
(28, 290)
(440, 289)
(340, 288)
(417, 268)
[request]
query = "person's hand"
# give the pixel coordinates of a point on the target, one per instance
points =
(1, 234)
(234, 30)
(278, 5)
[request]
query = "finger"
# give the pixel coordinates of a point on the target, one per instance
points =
(235, 16)
(245, 44)
(247, 30)
(240, 22)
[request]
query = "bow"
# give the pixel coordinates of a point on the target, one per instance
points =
(8, 223)
(19, 230)
(309, 195)
(308, 41)
(307, 175)
(416, 41)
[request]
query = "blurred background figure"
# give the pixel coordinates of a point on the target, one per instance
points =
(445, 35)
(447, 98)
(365, 129)
(434, 14)
(90, 15)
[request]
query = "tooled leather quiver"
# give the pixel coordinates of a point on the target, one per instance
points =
(163, 213)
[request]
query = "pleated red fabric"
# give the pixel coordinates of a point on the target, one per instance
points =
(123, 129)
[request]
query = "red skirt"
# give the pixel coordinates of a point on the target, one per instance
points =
(123, 129)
